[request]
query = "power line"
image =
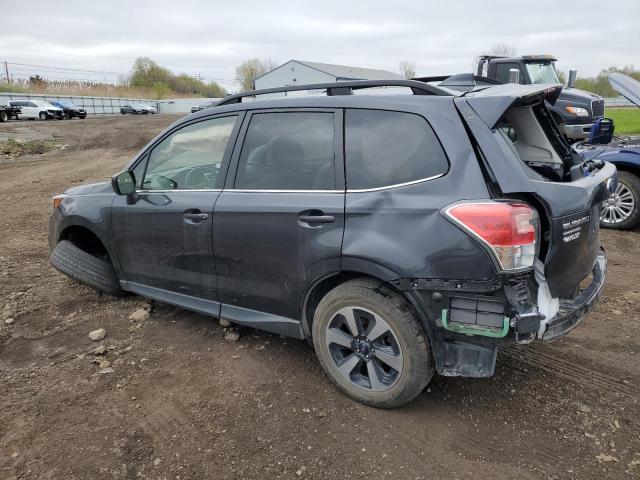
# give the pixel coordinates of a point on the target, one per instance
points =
(64, 69)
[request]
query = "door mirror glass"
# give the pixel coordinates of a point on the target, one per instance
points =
(124, 183)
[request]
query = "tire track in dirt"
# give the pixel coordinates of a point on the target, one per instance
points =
(568, 370)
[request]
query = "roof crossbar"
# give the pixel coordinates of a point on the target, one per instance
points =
(341, 88)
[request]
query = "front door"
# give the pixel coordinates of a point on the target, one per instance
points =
(279, 222)
(163, 232)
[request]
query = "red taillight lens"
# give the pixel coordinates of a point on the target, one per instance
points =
(509, 229)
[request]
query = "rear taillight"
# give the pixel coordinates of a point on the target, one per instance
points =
(510, 230)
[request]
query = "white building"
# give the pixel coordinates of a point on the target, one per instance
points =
(298, 72)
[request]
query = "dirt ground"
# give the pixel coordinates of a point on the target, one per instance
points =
(184, 403)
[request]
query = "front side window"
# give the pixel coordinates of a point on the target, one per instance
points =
(503, 71)
(189, 158)
(389, 148)
(288, 151)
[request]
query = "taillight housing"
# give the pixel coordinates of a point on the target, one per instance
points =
(510, 230)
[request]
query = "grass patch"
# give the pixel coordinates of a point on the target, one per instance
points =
(14, 148)
(627, 120)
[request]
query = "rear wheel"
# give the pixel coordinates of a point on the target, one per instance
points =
(68, 116)
(622, 209)
(3, 116)
(370, 343)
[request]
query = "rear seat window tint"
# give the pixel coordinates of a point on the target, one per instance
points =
(388, 148)
(288, 151)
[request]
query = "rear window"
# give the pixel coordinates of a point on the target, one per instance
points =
(389, 148)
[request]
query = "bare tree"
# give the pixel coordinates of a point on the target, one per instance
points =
(407, 69)
(501, 49)
(249, 70)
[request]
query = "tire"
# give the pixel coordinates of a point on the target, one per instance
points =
(123, 113)
(83, 117)
(403, 341)
(68, 116)
(85, 268)
(43, 116)
(622, 211)
(3, 116)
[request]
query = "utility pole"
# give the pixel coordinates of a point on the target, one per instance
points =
(6, 71)
(253, 79)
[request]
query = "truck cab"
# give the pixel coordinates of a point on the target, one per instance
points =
(575, 110)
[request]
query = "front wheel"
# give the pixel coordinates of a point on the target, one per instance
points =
(43, 116)
(371, 345)
(622, 209)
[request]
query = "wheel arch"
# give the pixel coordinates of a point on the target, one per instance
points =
(86, 239)
(318, 289)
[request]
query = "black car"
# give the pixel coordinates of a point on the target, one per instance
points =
(70, 110)
(401, 235)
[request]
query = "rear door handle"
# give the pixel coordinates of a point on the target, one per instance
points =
(317, 218)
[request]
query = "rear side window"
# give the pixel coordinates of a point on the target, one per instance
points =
(389, 148)
(288, 151)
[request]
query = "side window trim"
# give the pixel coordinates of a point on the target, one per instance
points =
(338, 150)
(145, 154)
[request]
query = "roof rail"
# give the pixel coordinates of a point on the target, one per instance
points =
(340, 88)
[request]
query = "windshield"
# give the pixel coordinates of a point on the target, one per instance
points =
(542, 72)
(65, 104)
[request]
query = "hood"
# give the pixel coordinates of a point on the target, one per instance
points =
(574, 95)
(626, 86)
(99, 188)
(491, 103)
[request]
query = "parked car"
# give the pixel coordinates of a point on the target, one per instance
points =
(575, 110)
(70, 110)
(197, 108)
(137, 109)
(32, 109)
(622, 209)
(400, 235)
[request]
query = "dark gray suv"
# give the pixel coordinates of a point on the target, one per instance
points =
(402, 234)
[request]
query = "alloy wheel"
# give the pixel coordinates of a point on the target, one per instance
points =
(364, 348)
(619, 206)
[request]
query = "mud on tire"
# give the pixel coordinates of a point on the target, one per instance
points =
(85, 268)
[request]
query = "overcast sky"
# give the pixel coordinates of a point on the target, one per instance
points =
(210, 38)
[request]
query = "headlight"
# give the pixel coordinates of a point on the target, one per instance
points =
(578, 111)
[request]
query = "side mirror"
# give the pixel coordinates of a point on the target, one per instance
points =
(124, 183)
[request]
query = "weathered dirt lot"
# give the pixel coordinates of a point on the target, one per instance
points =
(184, 403)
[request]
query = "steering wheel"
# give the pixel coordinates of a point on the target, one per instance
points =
(202, 176)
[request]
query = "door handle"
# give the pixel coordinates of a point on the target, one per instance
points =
(194, 216)
(317, 218)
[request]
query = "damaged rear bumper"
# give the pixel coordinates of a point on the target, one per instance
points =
(573, 312)
(467, 322)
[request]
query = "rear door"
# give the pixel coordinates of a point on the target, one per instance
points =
(571, 207)
(280, 219)
(163, 233)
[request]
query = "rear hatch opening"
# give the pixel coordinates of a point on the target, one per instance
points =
(527, 158)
